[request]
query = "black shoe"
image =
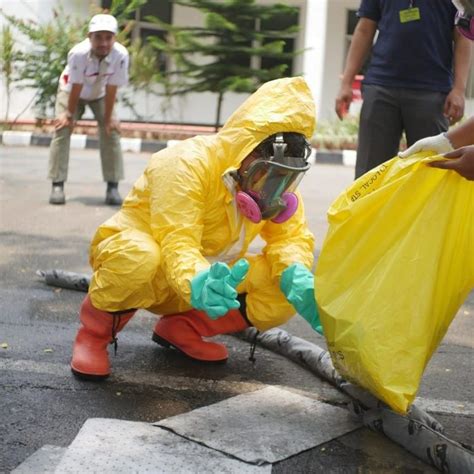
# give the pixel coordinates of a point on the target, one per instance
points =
(112, 196)
(57, 194)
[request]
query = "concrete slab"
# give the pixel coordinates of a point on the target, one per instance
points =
(122, 447)
(359, 452)
(264, 426)
(42, 461)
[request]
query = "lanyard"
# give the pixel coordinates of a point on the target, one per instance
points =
(412, 3)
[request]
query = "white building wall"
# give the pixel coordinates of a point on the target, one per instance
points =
(315, 31)
(39, 11)
(334, 45)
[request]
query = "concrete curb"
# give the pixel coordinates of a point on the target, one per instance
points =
(80, 142)
(138, 145)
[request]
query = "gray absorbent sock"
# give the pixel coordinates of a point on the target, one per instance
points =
(63, 279)
(418, 432)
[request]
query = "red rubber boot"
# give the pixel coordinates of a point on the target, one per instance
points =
(184, 332)
(90, 359)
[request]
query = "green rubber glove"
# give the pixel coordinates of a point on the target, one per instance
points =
(214, 290)
(297, 284)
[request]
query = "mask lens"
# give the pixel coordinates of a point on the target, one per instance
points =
(267, 181)
(274, 175)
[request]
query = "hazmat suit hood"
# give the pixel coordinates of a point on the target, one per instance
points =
(282, 105)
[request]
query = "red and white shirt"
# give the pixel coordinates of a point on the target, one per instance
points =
(83, 67)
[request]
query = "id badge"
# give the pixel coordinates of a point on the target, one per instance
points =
(410, 14)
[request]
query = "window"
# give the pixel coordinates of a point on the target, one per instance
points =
(269, 62)
(276, 24)
(243, 59)
(162, 9)
(143, 29)
(279, 23)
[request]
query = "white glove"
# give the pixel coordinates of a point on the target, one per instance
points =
(440, 144)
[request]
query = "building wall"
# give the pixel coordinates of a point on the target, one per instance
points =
(193, 108)
(335, 46)
(40, 11)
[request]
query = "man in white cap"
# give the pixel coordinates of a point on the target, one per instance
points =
(95, 69)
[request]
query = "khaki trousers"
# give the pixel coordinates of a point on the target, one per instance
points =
(110, 150)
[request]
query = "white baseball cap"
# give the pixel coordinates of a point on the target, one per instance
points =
(103, 22)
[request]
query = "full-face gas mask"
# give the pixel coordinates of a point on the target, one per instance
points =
(267, 186)
(465, 17)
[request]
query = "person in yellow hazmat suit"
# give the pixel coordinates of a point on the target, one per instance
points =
(178, 247)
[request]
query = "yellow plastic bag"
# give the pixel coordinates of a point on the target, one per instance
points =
(396, 265)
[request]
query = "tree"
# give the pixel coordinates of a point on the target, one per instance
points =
(7, 59)
(219, 56)
(41, 62)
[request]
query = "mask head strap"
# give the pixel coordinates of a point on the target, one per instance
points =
(279, 147)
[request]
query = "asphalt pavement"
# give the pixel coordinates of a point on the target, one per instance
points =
(41, 403)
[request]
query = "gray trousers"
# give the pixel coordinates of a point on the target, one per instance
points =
(388, 112)
(110, 150)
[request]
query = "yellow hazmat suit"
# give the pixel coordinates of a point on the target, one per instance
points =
(181, 216)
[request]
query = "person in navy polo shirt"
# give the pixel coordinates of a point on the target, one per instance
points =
(416, 78)
(458, 143)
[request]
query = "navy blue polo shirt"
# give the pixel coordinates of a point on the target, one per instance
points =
(416, 54)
